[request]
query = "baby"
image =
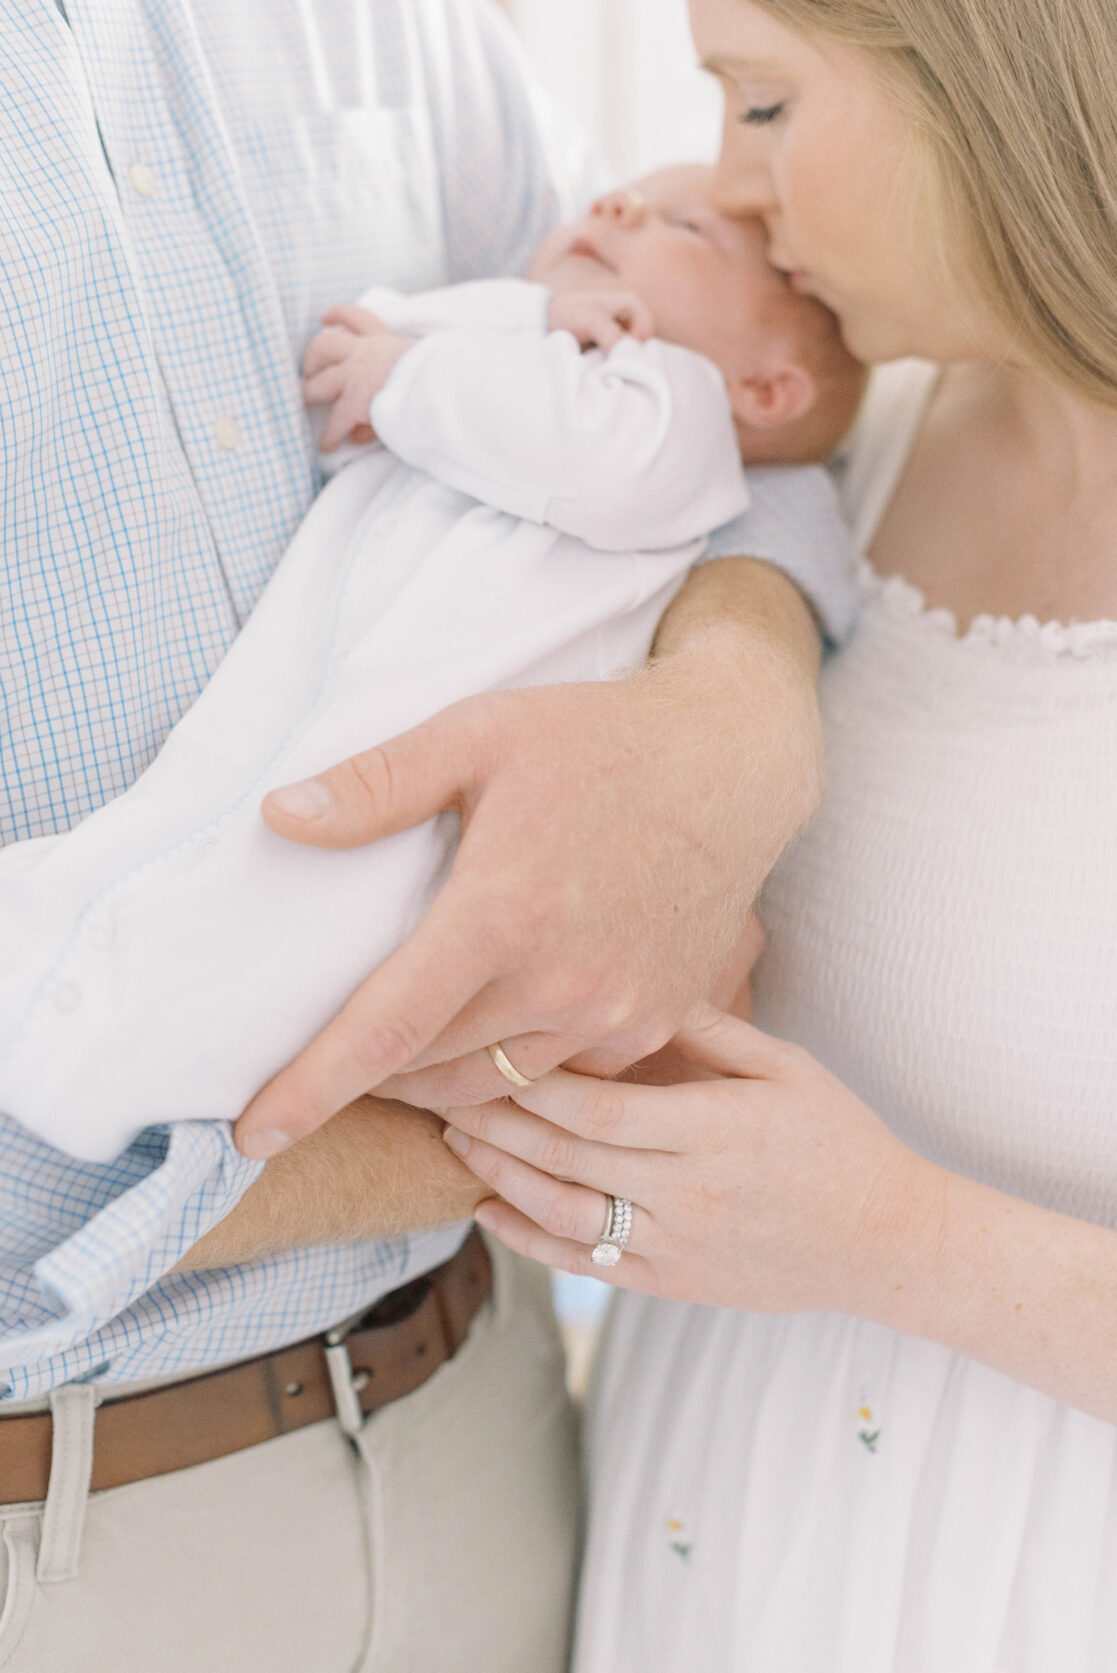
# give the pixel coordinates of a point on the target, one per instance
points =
(556, 453)
(651, 260)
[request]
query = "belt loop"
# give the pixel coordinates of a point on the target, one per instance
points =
(345, 1385)
(71, 1468)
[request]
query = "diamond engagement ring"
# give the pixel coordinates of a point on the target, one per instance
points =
(506, 1066)
(615, 1233)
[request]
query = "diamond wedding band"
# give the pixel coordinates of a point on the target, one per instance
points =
(615, 1233)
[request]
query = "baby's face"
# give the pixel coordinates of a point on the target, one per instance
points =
(708, 283)
(705, 278)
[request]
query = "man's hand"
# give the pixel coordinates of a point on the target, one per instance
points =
(600, 319)
(348, 364)
(614, 836)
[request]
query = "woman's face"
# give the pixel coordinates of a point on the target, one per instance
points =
(814, 145)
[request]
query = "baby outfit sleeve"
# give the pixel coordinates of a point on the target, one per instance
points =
(631, 451)
(482, 304)
(795, 523)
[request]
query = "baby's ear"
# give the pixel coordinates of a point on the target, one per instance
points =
(777, 395)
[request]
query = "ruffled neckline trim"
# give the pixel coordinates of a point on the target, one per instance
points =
(1021, 639)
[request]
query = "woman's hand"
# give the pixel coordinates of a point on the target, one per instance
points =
(766, 1186)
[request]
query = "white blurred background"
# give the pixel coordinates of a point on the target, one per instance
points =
(627, 71)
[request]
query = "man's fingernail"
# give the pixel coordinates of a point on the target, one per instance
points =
(460, 1143)
(309, 799)
(264, 1143)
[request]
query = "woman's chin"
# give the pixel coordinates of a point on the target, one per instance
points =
(868, 334)
(874, 339)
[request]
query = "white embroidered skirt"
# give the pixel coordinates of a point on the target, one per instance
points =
(816, 1494)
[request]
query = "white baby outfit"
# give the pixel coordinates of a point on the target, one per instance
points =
(817, 1494)
(531, 515)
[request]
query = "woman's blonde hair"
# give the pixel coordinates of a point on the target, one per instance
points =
(1017, 103)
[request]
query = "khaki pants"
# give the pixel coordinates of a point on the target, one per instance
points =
(441, 1541)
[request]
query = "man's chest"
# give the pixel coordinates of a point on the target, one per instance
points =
(183, 191)
(291, 145)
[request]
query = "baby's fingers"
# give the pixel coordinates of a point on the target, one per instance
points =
(636, 318)
(325, 386)
(348, 412)
(358, 320)
(605, 331)
(326, 349)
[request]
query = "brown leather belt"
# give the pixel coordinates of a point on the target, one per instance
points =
(365, 1364)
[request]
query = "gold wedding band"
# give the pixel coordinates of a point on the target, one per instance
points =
(507, 1068)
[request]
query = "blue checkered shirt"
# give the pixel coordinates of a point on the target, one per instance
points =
(185, 185)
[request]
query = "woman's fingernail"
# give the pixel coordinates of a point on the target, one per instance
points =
(263, 1144)
(309, 799)
(485, 1218)
(460, 1143)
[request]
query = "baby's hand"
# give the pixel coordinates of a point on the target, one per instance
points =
(348, 364)
(599, 319)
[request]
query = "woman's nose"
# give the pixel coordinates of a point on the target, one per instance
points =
(741, 193)
(742, 181)
(623, 209)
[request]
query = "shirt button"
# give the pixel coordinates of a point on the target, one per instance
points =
(67, 997)
(227, 433)
(101, 935)
(141, 179)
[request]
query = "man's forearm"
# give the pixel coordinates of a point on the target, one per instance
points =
(748, 598)
(740, 637)
(376, 1170)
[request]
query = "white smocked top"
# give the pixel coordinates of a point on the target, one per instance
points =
(944, 937)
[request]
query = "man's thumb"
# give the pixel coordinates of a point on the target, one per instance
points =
(390, 788)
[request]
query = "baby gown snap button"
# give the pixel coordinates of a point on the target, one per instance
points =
(67, 997)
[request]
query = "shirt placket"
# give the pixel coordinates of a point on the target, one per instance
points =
(213, 312)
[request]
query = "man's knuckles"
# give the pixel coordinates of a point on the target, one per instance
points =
(372, 1049)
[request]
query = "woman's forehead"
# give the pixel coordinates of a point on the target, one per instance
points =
(743, 39)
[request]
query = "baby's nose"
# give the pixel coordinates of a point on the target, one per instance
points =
(624, 208)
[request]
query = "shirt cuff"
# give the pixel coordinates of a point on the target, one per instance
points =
(794, 522)
(131, 1241)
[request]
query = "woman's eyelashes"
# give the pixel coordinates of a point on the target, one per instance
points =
(757, 115)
